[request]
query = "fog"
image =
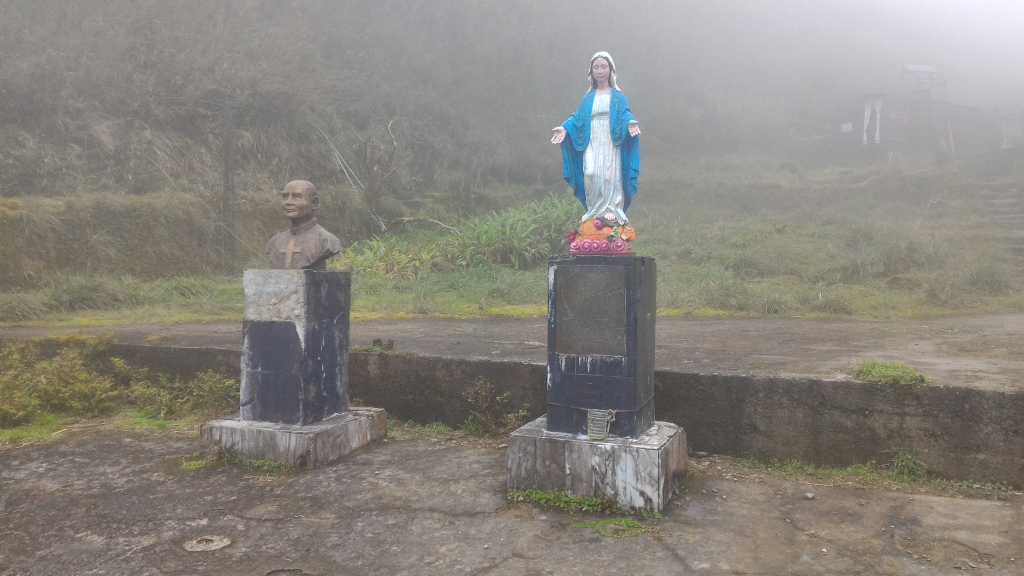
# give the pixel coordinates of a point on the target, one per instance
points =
(113, 112)
(466, 91)
(757, 61)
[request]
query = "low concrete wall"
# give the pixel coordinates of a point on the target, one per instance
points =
(180, 361)
(961, 433)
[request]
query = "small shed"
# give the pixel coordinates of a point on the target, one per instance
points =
(917, 122)
(883, 123)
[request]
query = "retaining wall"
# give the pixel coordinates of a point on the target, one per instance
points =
(961, 433)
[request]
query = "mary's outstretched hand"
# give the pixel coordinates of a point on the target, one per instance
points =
(634, 128)
(558, 136)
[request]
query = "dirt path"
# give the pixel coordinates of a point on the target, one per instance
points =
(977, 351)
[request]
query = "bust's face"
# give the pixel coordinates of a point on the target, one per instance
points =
(297, 205)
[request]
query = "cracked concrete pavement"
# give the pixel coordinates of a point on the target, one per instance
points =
(100, 501)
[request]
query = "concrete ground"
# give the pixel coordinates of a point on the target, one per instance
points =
(976, 351)
(107, 502)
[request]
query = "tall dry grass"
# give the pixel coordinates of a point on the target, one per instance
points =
(148, 236)
(125, 95)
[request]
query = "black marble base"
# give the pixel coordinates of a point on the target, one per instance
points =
(295, 369)
(601, 342)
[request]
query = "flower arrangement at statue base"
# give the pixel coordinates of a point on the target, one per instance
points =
(602, 235)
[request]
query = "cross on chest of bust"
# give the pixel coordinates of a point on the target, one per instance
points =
(288, 251)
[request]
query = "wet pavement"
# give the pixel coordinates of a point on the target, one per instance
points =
(100, 501)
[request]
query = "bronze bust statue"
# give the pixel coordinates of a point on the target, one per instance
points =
(305, 244)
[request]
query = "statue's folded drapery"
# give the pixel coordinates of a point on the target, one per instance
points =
(578, 128)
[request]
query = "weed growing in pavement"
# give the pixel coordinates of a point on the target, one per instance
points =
(399, 430)
(573, 504)
(889, 373)
(618, 527)
(563, 501)
(264, 465)
(439, 427)
(472, 427)
(904, 466)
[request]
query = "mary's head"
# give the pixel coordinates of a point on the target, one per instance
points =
(602, 68)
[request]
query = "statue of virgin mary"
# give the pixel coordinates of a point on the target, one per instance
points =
(601, 155)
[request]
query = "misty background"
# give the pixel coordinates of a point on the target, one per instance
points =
(95, 92)
(112, 138)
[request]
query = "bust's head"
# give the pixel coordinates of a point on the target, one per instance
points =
(299, 200)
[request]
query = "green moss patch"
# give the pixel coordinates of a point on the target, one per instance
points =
(889, 373)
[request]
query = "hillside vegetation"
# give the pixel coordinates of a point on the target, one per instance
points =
(111, 143)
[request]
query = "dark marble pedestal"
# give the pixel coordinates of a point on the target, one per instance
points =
(294, 400)
(601, 342)
(295, 345)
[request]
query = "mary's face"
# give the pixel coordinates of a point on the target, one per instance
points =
(600, 70)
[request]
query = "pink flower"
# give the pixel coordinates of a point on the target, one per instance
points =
(604, 245)
(572, 235)
(598, 223)
(619, 245)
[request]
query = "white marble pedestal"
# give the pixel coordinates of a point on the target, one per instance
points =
(638, 472)
(297, 446)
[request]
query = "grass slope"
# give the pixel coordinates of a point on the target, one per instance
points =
(744, 237)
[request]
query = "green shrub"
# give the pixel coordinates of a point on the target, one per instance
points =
(517, 238)
(490, 412)
(205, 394)
(75, 376)
(67, 385)
(17, 403)
(57, 375)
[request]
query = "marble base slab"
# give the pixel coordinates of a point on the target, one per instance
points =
(298, 446)
(638, 472)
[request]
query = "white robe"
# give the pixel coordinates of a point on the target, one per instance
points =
(602, 166)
